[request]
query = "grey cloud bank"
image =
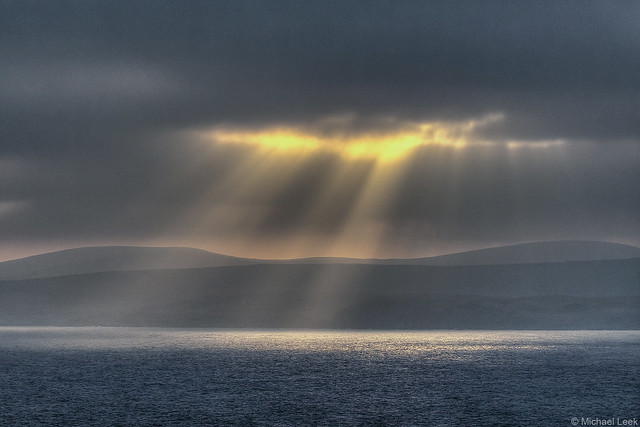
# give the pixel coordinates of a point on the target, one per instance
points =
(98, 98)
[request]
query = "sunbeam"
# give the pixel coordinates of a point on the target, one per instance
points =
(296, 191)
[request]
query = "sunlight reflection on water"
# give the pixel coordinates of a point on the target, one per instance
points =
(140, 376)
(387, 342)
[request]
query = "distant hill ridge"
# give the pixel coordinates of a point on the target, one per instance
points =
(564, 295)
(113, 258)
(533, 253)
(129, 258)
(549, 285)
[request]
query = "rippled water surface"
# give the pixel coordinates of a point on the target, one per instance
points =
(139, 376)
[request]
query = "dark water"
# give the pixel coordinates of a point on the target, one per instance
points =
(124, 376)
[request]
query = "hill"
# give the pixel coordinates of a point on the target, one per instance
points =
(131, 258)
(112, 258)
(571, 295)
(532, 253)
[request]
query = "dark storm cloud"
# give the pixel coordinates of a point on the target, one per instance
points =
(149, 63)
(94, 96)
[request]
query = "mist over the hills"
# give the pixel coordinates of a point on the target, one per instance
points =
(585, 294)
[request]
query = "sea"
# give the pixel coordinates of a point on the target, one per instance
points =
(197, 377)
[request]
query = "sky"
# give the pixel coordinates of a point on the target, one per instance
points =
(325, 128)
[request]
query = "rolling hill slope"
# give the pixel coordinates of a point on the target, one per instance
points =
(112, 258)
(532, 253)
(131, 258)
(571, 295)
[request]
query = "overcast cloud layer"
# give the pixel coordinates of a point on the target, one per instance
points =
(99, 102)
